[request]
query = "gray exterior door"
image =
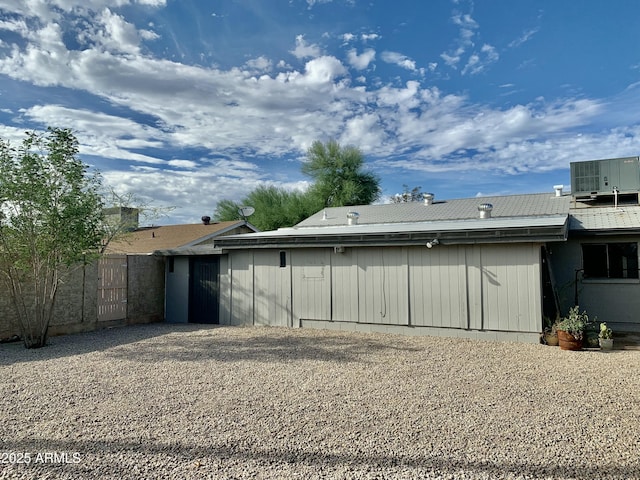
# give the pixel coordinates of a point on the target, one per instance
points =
(204, 290)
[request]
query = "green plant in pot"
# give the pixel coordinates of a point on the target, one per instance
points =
(591, 335)
(605, 337)
(550, 334)
(571, 329)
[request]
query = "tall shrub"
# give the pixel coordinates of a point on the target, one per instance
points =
(50, 222)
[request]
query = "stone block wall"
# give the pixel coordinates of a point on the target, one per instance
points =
(76, 308)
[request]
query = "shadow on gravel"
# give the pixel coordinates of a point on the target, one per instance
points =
(81, 343)
(260, 345)
(161, 342)
(112, 453)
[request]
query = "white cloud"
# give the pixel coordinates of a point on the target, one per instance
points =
(369, 36)
(116, 34)
(362, 61)
(398, 59)
(478, 62)
(187, 164)
(261, 64)
(347, 37)
(464, 42)
(304, 50)
(525, 37)
(323, 70)
(365, 131)
(101, 134)
(238, 118)
(311, 3)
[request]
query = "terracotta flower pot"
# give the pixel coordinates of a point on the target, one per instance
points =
(568, 341)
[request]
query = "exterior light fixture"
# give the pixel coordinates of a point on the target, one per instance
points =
(433, 243)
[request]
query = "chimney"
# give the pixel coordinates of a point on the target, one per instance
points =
(124, 218)
(206, 220)
(352, 218)
(558, 189)
(485, 210)
(428, 198)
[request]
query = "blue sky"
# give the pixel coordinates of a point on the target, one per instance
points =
(187, 102)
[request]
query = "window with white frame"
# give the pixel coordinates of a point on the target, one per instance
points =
(610, 260)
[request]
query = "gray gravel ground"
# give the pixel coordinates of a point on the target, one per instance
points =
(166, 401)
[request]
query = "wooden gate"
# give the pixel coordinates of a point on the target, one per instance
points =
(112, 287)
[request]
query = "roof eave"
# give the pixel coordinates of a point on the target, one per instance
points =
(537, 234)
(584, 232)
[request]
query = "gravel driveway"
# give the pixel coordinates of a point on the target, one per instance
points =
(171, 401)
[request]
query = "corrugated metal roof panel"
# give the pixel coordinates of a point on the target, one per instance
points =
(433, 226)
(528, 205)
(626, 217)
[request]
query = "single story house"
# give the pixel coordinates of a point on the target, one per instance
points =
(464, 267)
(489, 268)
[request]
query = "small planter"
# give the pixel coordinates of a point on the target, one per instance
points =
(551, 339)
(606, 343)
(568, 341)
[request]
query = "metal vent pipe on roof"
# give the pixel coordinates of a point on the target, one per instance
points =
(485, 210)
(558, 189)
(352, 218)
(428, 198)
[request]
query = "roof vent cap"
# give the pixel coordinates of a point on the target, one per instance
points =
(352, 218)
(485, 210)
(428, 198)
(206, 219)
(558, 189)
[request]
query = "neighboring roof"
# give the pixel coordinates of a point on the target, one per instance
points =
(515, 218)
(195, 250)
(621, 219)
(149, 239)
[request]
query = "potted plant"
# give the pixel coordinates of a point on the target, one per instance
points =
(571, 329)
(605, 337)
(591, 335)
(550, 333)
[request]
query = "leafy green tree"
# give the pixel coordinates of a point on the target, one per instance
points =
(339, 179)
(275, 207)
(50, 221)
(227, 210)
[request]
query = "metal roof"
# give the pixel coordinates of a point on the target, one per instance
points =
(620, 219)
(515, 218)
(432, 227)
(528, 205)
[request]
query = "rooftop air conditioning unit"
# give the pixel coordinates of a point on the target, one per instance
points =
(594, 178)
